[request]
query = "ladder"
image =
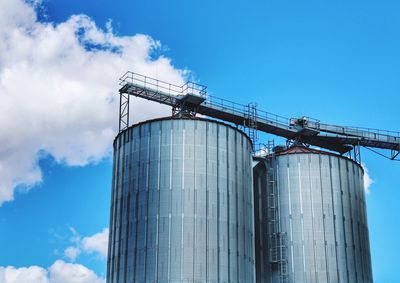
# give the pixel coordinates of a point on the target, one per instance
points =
(277, 239)
(252, 123)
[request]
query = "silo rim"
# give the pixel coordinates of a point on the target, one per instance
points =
(305, 150)
(182, 118)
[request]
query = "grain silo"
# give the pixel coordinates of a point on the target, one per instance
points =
(310, 218)
(187, 205)
(182, 203)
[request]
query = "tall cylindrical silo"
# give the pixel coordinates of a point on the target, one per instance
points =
(182, 204)
(310, 218)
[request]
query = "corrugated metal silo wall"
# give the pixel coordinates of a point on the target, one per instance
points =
(322, 212)
(182, 204)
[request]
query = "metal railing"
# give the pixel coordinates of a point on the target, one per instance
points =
(162, 86)
(201, 90)
(252, 118)
(374, 131)
(345, 130)
(243, 110)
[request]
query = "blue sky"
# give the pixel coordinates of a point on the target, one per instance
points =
(335, 61)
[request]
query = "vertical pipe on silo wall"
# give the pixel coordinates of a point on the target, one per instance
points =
(164, 202)
(177, 188)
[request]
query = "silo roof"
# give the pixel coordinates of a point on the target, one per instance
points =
(299, 149)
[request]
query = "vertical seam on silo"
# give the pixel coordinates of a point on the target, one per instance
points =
(259, 222)
(278, 202)
(123, 206)
(243, 214)
(290, 217)
(170, 206)
(249, 230)
(263, 221)
(112, 234)
(227, 200)
(158, 201)
(194, 238)
(312, 218)
(359, 217)
(301, 217)
(353, 250)
(366, 236)
(356, 218)
(343, 220)
(323, 218)
(361, 243)
(365, 229)
(244, 211)
(182, 201)
(253, 244)
(136, 191)
(334, 218)
(245, 220)
(120, 207)
(112, 224)
(117, 182)
(218, 204)
(146, 248)
(361, 221)
(370, 274)
(206, 185)
(117, 213)
(128, 208)
(246, 200)
(239, 273)
(258, 218)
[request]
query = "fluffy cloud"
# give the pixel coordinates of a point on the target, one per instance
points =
(368, 181)
(32, 274)
(96, 244)
(58, 90)
(72, 253)
(59, 272)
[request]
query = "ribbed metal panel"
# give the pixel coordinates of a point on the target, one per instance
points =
(321, 211)
(182, 204)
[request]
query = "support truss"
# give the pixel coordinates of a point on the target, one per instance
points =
(395, 153)
(357, 154)
(123, 111)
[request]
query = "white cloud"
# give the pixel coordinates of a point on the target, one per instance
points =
(59, 272)
(62, 272)
(32, 274)
(58, 90)
(368, 181)
(75, 238)
(98, 243)
(72, 253)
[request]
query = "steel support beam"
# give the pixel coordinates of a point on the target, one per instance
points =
(123, 111)
(394, 153)
(185, 101)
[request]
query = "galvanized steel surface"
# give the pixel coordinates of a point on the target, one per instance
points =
(322, 212)
(182, 204)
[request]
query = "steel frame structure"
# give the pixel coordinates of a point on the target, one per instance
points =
(123, 111)
(191, 98)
